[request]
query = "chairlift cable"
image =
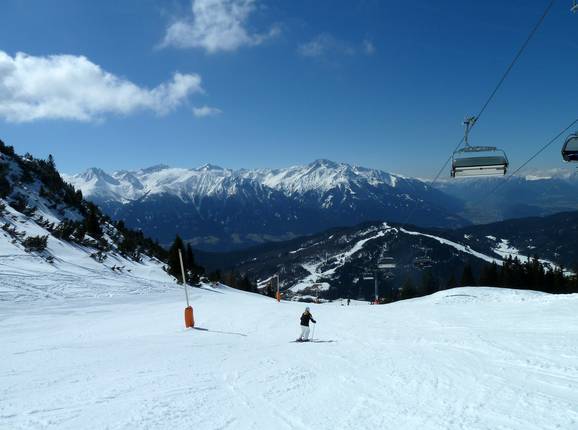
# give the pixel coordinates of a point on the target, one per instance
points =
(515, 60)
(542, 149)
(492, 94)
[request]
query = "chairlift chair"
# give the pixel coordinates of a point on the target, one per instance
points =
(570, 148)
(385, 263)
(471, 161)
(423, 261)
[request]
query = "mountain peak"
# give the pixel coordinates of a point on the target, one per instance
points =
(95, 171)
(155, 168)
(96, 174)
(323, 162)
(208, 167)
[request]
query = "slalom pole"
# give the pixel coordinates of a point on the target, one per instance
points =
(278, 295)
(189, 319)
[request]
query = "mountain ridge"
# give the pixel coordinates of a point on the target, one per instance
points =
(537, 193)
(337, 262)
(49, 231)
(207, 205)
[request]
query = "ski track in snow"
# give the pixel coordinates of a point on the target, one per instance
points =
(459, 247)
(469, 358)
(73, 273)
(505, 250)
(313, 268)
(315, 275)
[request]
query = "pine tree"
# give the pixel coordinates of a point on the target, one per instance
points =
(5, 149)
(468, 277)
(26, 176)
(173, 261)
(489, 275)
(429, 284)
(190, 258)
(92, 222)
(5, 186)
(35, 243)
(269, 291)
(533, 274)
(215, 276)
(452, 282)
(408, 290)
(245, 284)
(51, 162)
(193, 271)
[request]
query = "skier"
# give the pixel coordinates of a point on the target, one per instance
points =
(305, 318)
(348, 300)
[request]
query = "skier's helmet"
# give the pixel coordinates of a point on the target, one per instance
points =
(307, 309)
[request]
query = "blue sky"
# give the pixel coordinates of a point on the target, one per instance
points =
(126, 84)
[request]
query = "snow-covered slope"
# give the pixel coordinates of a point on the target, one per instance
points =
(66, 270)
(218, 209)
(54, 244)
(124, 186)
(471, 358)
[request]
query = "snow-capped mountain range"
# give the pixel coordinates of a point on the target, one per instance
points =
(222, 209)
(216, 208)
(318, 177)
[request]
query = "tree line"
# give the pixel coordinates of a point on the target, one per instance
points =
(532, 274)
(59, 195)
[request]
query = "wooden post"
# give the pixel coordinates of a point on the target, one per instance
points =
(189, 319)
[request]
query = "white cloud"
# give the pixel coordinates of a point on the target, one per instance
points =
(216, 25)
(325, 44)
(73, 88)
(368, 47)
(205, 111)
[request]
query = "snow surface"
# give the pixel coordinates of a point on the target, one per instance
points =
(73, 272)
(505, 250)
(469, 358)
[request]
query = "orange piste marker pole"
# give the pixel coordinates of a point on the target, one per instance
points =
(189, 318)
(278, 295)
